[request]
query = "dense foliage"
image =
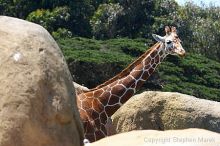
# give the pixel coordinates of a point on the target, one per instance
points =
(195, 74)
(199, 26)
(120, 30)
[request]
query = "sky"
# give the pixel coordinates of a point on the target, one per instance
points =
(198, 2)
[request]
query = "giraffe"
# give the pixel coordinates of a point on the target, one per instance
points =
(97, 105)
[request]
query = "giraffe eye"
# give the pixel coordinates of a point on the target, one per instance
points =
(169, 42)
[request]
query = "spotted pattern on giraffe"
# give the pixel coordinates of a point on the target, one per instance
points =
(96, 106)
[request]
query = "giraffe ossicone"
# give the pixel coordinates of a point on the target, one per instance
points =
(97, 105)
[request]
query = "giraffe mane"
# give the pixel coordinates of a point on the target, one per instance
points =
(127, 70)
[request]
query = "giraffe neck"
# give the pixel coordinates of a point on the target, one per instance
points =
(98, 105)
(146, 68)
(127, 70)
(113, 95)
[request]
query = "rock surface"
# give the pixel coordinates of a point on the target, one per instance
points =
(165, 110)
(79, 88)
(37, 98)
(188, 137)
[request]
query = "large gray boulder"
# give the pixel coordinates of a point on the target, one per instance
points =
(165, 110)
(187, 137)
(37, 97)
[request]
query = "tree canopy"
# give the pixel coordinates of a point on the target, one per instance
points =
(199, 26)
(112, 33)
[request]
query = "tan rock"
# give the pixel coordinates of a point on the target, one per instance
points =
(188, 137)
(165, 110)
(79, 88)
(37, 100)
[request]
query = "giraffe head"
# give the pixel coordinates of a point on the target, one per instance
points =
(171, 42)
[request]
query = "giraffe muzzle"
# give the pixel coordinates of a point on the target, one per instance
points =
(182, 55)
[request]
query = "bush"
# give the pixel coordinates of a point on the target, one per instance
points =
(93, 62)
(62, 33)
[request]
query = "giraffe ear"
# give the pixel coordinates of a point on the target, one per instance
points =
(173, 29)
(158, 38)
(167, 30)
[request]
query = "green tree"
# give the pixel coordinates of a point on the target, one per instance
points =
(200, 29)
(81, 13)
(141, 18)
(165, 13)
(104, 20)
(137, 13)
(50, 4)
(18, 8)
(51, 20)
(61, 33)
(96, 3)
